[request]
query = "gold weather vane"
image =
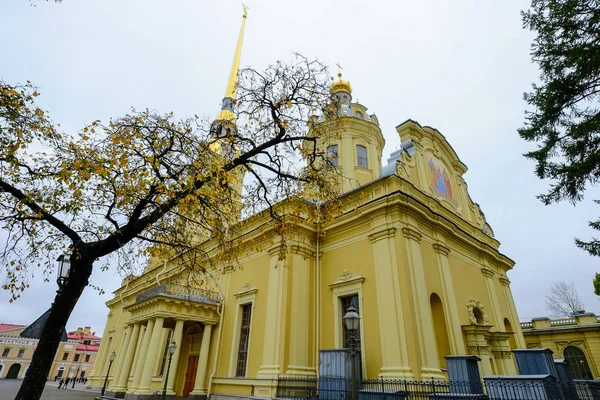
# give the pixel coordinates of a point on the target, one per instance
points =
(339, 69)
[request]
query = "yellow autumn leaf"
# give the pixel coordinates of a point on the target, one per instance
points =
(85, 137)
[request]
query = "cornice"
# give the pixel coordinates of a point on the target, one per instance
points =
(441, 249)
(504, 281)
(487, 272)
(382, 234)
(411, 233)
(303, 250)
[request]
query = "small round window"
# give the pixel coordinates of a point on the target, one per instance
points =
(358, 115)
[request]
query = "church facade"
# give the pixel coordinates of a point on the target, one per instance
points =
(410, 250)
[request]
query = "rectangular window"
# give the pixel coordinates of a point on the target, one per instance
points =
(76, 357)
(87, 358)
(361, 157)
(21, 353)
(65, 356)
(332, 155)
(244, 339)
(5, 352)
(346, 302)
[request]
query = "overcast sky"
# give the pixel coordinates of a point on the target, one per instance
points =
(458, 66)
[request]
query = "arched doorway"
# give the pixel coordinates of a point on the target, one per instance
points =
(13, 371)
(439, 326)
(577, 363)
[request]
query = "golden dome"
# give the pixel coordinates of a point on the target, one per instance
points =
(341, 84)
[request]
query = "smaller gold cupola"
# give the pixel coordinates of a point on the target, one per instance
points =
(353, 141)
(341, 85)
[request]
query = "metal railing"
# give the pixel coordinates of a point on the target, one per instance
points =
(311, 388)
(181, 292)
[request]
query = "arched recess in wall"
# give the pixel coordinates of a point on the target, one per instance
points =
(478, 315)
(508, 328)
(441, 331)
(577, 363)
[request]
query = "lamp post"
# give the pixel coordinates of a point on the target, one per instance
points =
(111, 359)
(352, 321)
(171, 350)
(64, 270)
(75, 377)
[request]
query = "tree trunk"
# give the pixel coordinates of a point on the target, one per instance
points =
(60, 311)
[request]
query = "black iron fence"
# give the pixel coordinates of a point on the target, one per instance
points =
(379, 389)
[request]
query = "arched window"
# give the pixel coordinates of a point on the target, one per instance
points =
(439, 326)
(578, 365)
(332, 154)
(508, 328)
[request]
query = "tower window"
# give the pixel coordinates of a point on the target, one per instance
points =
(21, 353)
(361, 157)
(358, 115)
(332, 155)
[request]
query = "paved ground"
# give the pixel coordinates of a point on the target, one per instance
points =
(10, 387)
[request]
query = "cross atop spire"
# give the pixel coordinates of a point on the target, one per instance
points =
(226, 112)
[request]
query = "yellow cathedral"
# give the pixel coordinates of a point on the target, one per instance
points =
(412, 252)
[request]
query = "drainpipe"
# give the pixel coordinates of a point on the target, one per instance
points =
(318, 290)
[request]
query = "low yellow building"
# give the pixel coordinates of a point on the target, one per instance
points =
(75, 357)
(576, 339)
(410, 250)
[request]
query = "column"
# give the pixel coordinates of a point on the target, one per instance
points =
(151, 354)
(300, 307)
(123, 377)
(489, 284)
(199, 387)
(139, 365)
(275, 316)
(423, 319)
(392, 331)
(177, 336)
(519, 339)
(450, 307)
(120, 356)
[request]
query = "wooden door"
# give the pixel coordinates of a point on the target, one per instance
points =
(190, 375)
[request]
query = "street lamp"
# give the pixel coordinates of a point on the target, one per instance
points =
(64, 270)
(171, 350)
(75, 377)
(352, 321)
(111, 359)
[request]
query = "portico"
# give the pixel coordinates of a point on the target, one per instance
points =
(160, 315)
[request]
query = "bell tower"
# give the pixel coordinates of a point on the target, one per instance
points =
(223, 130)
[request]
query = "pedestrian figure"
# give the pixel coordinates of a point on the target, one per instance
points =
(66, 382)
(61, 383)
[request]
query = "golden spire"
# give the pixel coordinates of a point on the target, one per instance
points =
(226, 112)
